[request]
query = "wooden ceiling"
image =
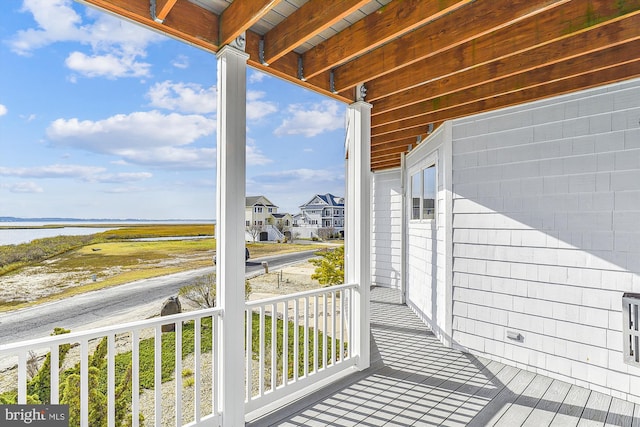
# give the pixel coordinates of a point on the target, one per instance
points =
(422, 61)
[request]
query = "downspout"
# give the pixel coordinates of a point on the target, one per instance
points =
(403, 230)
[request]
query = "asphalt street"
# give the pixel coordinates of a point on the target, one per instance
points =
(125, 303)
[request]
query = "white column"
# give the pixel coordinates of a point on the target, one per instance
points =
(231, 140)
(358, 226)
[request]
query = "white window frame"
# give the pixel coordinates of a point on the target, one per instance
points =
(419, 168)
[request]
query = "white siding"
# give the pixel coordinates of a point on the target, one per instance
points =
(387, 228)
(546, 234)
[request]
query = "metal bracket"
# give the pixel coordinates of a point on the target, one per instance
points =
(429, 128)
(300, 69)
(240, 42)
(152, 10)
(418, 139)
(261, 53)
(332, 83)
(361, 92)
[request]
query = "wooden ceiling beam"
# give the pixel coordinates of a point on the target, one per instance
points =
(240, 16)
(565, 19)
(187, 21)
(462, 25)
(610, 56)
(372, 31)
(306, 22)
(624, 28)
(596, 77)
(163, 7)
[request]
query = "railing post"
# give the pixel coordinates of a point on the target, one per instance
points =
(231, 145)
(358, 226)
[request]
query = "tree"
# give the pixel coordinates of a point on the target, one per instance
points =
(254, 230)
(203, 291)
(329, 267)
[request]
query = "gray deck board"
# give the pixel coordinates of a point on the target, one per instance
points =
(620, 413)
(572, 407)
(415, 381)
(596, 410)
(520, 409)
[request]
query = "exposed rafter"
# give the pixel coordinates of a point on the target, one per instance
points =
(387, 23)
(240, 16)
(308, 21)
(163, 7)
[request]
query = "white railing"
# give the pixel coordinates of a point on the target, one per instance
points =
(149, 334)
(302, 338)
(300, 341)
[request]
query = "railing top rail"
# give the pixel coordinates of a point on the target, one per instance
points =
(289, 297)
(108, 330)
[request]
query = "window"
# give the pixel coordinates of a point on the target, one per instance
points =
(269, 210)
(248, 223)
(423, 193)
(258, 209)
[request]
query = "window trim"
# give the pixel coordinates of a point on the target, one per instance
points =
(419, 168)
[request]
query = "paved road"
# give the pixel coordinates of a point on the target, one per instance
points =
(126, 303)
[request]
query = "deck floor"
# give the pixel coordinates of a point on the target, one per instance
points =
(415, 381)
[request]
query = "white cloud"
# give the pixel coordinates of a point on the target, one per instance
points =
(308, 150)
(3, 110)
(255, 157)
(53, 171)
(299, 176)
(312, 121)
(256, 108)
(115, 44)
(181, 61)
(23, 187)
(256, 77)
(149, 138)
(82, 173)
(184, 97)
(110, 66)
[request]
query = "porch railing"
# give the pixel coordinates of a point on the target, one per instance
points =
(292, 342)
(300, 339)
(134, 333)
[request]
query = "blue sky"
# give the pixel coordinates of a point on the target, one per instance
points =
(100, 118)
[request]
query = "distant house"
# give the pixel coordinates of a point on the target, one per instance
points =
(259, 211)
(282, 219)
(324, 211)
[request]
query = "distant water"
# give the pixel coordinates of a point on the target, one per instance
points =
(25, 235)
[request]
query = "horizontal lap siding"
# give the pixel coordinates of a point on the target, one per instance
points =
(546, 234)
(387, 229)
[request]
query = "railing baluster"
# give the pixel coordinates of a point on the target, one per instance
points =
(305, 356)
(215, 356)
(333, 328)
(196, 367)
(178, 373)
(285, 342)
(249, 354)
(274, 347)
(296, 340)
(157, 374)
(22, 377)
(55, 374)
(342, 325)
(135, 378)
(84, 383)
(324, 331)
(315, 333)
(261, 353)
(111, 380)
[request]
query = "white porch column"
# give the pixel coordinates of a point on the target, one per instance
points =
(358, 226)
(231, 141)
